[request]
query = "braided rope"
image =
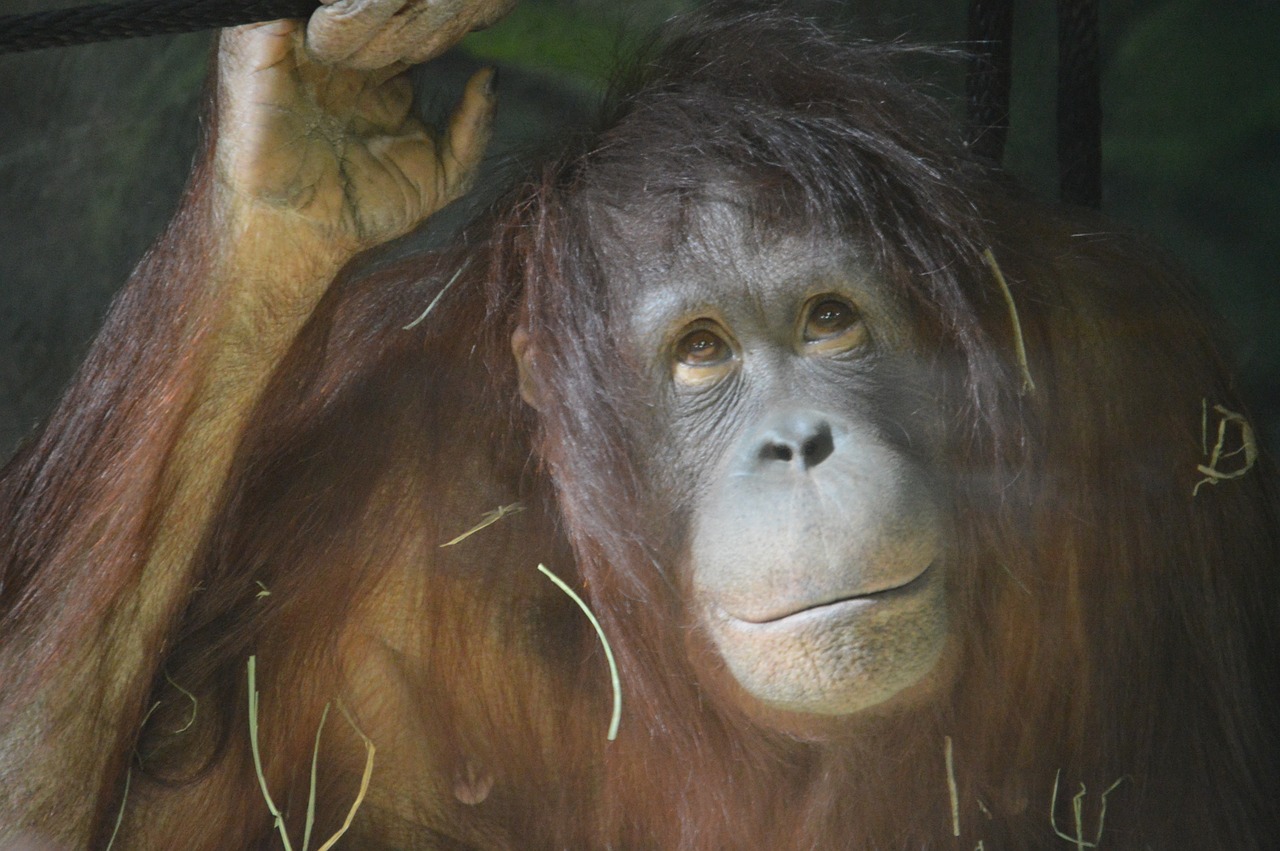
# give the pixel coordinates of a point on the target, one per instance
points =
(987, 83)
(1079, 104)
(109, 21)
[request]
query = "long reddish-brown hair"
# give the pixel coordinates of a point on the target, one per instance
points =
(1113, 622)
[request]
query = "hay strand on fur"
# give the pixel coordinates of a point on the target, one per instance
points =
(150, 712)
(1204, 426)
(608, 651)
(195, 704)
(311, 792)
(486, 521)
(124, 799)
(1077, 816)
(257, 754)
(1077, 811)
(439, 295)
(366, 777)
(369, 751)
(951, 788)
(1077, 840)
(1248, 445)
(1020, 347)
(1102, 809)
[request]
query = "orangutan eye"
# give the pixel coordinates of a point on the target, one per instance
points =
(832, 325)
(703, 347)
(829, 318)
(702, 355)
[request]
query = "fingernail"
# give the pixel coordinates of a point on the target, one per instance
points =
(491, 87)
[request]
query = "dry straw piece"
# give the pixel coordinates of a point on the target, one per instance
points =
(195, 704)
(439, 295)
(370, 750)
(486, 521)
(608, 651)
(1077, 810)
(1248, 445)
(124, 799)
(1028, 386)
(951, 787)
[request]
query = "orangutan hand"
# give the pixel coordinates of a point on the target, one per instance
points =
(372, 34)
(319, 128)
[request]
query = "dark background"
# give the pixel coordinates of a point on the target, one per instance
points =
(95, 143)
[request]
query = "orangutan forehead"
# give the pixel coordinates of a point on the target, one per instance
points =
(714, 232)
(723, 262)
(711, 215)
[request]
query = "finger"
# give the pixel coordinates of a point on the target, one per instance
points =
(341, 29)
(256, 47)
(426, 28)
(256, 78)
(468, 132)
(438, 170)
(421, 32)
(384, 107)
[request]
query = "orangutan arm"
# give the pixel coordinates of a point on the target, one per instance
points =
(312, 156)
(311, 164)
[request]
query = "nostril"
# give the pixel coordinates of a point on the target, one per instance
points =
(818, 447)
(799, 442)
(776, 451)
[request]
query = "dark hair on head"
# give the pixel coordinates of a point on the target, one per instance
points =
(803, 130)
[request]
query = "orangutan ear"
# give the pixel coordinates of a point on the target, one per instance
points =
(522, 348)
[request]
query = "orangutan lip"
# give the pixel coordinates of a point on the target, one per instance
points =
(893, 591)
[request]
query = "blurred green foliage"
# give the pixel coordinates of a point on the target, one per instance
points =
(1200, 86)
(577, 41)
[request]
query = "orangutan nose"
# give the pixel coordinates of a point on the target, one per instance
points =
(801, 440)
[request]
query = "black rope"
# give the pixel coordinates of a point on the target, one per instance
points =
(986, 88)
(988, 80)
(1079, 104)
(109, 21)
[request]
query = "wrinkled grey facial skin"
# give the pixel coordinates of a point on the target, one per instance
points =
(794, 435)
